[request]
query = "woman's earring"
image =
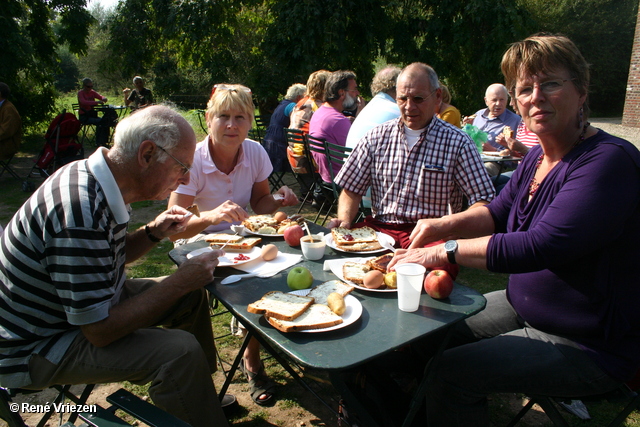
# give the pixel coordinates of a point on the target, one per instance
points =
(581, 118)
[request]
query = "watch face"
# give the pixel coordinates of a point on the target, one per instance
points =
(450, 246)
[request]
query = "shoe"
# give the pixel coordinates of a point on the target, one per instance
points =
(228, 400)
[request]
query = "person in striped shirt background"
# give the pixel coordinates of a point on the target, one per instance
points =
(68, 313)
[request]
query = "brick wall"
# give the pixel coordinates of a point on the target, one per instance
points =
(631, 114)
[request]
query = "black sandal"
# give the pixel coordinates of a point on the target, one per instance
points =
(259, 384)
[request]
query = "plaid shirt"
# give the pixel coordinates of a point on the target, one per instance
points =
(409, 185)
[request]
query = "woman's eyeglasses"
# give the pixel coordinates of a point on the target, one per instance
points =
(523, 93)
(185, 168)
(233, 88)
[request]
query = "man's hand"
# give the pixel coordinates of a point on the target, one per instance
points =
(170, 222)
(197, 272)
(336, 222)
(289, 198)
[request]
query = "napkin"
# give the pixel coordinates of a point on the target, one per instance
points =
(267, 269)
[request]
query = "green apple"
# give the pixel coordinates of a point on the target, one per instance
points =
(299, 278)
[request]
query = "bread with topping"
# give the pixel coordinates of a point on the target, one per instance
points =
(281, 306)
(322, 291)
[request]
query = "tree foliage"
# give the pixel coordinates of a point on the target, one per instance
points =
(28, 41)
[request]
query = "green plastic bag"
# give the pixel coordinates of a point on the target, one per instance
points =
(478, 136)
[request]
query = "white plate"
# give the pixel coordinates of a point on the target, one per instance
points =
(336, 268)
(350, 315)
(228, 259)
(382, 238)
(262, 234)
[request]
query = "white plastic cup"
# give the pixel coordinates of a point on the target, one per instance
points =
(410, 280)
(313, 251)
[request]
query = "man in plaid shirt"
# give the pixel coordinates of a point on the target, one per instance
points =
(418, 166)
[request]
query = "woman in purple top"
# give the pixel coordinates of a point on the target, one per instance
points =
(566, 227)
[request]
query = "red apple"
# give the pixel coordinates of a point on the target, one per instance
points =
(293, 234)
(438, 284)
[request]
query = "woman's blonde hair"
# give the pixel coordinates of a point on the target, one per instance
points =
(315, 84)
(226, 96)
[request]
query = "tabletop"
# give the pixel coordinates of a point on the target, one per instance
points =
(381, 328)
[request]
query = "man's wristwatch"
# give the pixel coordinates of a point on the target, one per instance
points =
(450, 248)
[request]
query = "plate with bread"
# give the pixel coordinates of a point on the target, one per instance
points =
(271, 225)
(363, 240)
(324, 308)
(357, 272)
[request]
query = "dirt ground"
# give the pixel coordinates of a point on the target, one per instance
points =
(295, 406)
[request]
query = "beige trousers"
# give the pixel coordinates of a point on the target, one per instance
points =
(177, 360)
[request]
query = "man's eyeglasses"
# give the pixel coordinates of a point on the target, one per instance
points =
(415, 99)
(523, 93)
(234, 88)
(185, 168)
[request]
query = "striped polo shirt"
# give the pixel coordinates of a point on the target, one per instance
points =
(62, 261)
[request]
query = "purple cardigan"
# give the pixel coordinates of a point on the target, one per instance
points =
(574, 251)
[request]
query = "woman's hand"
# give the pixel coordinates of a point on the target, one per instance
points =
(228, 211)
(289, 198)
(428, 257)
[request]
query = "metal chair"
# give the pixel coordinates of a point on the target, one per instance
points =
(5, 166)
(623, 394)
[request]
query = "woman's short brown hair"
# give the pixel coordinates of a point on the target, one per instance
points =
(231, 97)
(545, 52)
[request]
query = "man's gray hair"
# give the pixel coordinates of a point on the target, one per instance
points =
(156, 123)
(336, 81)
(385, 80)
(430, 72)
(295, 91)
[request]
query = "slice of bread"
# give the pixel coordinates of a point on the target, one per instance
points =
(345, 236)
(322, 291)
(316, 317)
(223, 238)
(380, 263)
(354, 272)
(193, 209)
(243, 245)
(361, 247)
(278, 305)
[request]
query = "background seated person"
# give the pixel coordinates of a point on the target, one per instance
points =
(139, 97)
(418, 166)
(10, 125)
(446, 111)
(566, 228)
(275, 138)
(87, 99)
(71, 316)
(229, 173)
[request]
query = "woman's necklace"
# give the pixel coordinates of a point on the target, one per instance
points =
(534, 184)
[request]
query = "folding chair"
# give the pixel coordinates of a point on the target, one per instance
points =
(336, 156)
(626, 393)
(5, 166)
(318, 145)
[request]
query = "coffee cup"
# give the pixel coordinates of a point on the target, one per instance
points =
(312, 247)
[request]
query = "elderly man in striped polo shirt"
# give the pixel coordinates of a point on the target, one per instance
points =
(418, 166)
(68, 314)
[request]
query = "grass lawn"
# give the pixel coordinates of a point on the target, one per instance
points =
(290, 402)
